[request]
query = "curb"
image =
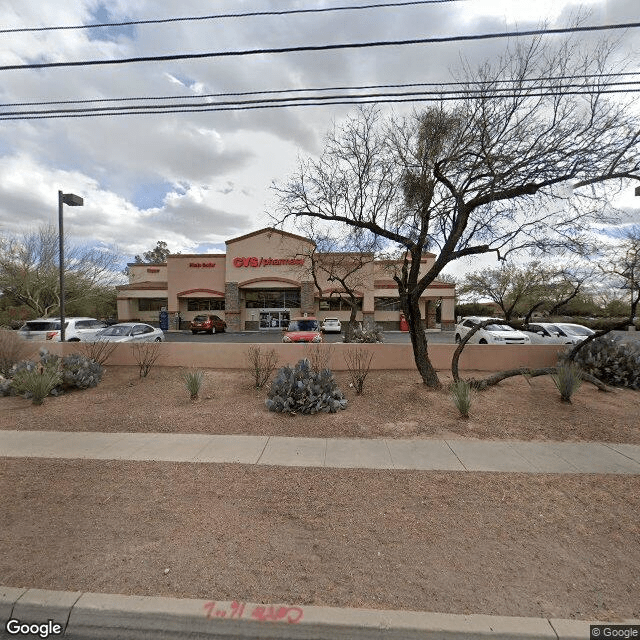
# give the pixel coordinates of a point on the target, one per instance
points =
(106, 616)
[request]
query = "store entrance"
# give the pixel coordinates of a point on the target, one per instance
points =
(276, 319)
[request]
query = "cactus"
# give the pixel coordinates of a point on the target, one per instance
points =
(299, 389)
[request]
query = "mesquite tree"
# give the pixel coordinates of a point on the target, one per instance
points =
(523, 160)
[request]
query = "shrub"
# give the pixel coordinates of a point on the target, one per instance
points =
(358, 364)
(12, 349)
(145, 354)
(568, 380)
(299, 389)
(262, 364)
(37, 381)
(461, 395)
(80, 372)
(99, 351)
(612, 361)
(319, 356)
(367, 334)
(193, 382)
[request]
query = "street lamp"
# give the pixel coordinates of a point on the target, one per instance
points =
(71, 200)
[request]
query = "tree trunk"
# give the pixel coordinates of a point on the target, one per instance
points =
(348, 334)
(420, 350)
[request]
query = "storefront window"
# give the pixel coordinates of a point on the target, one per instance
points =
(338, 304)
(272, 299)
(152, 304)
(387, 304)
(205, 304)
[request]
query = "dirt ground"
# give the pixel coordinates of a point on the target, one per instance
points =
(394, 405)
(507, 544)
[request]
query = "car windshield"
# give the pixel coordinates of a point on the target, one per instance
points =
(499, 327)
(303, 325)
(116, 331)
(577, 331)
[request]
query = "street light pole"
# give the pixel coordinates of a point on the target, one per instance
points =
(71, 200)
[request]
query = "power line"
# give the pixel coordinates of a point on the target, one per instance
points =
(236, 94)
(219, 16)
(331, 100)
(325, 47)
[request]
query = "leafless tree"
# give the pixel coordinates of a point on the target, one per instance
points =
(522, 161)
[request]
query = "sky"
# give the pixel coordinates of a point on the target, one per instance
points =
(195, 180)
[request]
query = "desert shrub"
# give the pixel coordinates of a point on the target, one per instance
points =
(364, 334)
(36, 382)
(319, 356)
(145, 354)
(460, 392)
(614, 362)
(261, 364)
(358, 364)
(193, 382)
(12, 349)
(80, 372)
(299, 389)
(99, 351)
(567, 380)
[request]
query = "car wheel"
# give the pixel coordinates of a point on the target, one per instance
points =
(213, 330)
(194, 332)
(73, 340)
(483, 341)
(158, 339)
(458, 339)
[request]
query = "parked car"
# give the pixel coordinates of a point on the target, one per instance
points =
(575, 332)
(131, 332)
(546, 333)
(207, 324)
(75, 329)
(302, 330)
(331, 325)
(495, 333)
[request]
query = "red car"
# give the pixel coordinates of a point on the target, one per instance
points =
(302, 330)
(207, 324)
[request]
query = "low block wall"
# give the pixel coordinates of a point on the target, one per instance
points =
(385, 356)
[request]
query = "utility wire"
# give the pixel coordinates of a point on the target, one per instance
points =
(476, 83)
(275, 103)
(219, 16)
(325, 47)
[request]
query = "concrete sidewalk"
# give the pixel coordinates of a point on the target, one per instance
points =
(424, 454)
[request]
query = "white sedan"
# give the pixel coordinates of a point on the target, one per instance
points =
(495, 333)
(131, 332)
(331, 325)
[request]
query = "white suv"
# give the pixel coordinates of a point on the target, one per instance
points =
(495, 333)
(75, 329)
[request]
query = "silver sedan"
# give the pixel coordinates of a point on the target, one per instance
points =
(131, 332)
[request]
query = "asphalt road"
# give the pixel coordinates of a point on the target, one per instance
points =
(392, 337)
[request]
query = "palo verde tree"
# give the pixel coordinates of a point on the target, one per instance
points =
(523, 160)
(523, 289)
(29, 274)
(623, 267)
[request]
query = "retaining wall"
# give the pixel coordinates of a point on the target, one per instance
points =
(385, 356)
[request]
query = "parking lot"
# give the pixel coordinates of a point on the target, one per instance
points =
(266, 337)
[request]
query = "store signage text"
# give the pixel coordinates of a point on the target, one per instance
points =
(202, 265)
(153, 270)
(254, 261)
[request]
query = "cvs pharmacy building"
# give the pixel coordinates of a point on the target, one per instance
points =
(266, 277)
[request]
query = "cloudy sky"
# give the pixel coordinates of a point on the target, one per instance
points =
(197, 179)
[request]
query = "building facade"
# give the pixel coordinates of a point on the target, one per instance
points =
(266, 277)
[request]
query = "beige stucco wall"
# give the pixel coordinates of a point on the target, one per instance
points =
(386, 356)
(147, 273)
